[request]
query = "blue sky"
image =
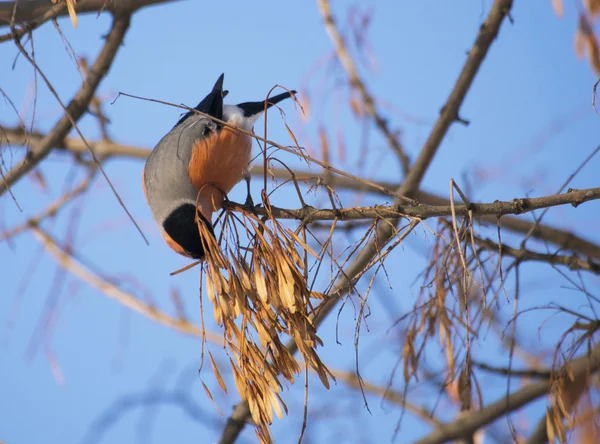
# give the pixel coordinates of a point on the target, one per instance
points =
(531, 125)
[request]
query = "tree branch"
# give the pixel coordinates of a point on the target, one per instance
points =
(107, 149)
(468, 424)
(51, 13)
(385, 232)
(524, 255)
(76, 108)
(356, 82)
(71, 264)
(497, 208)
(35, 12)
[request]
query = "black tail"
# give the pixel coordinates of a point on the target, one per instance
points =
(253, 108)
(212, 104)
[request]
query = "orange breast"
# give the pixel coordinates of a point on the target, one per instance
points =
(218, 163)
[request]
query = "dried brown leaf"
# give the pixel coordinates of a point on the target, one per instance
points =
(592, 6)
(303, 244)
(550, 426)
(217, 373)
(72, 13)
(291, 133)
(39, 179)
(286, 294)
(356, 107)
(579, 44)
(593, 52)
(558, 7)
(238, 379)
(323, 377)
(211, 398)
(275, 404)
(261, 287)
(324, 142)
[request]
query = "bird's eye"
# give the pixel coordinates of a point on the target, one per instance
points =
(207, 131)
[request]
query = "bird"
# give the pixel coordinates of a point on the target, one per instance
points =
(193, 167)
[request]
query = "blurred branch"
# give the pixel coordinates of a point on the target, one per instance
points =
(449, 114)
(76, 107)
(178, 398)
(104, 286)
(392, 396)
(575, 369)
(540, 433)
(563, 402)
(33, 13)
(529, 373)
(107, 149)
(356, 82)
(49, 14)
(524, 255)
(52, 209)
(103, 148)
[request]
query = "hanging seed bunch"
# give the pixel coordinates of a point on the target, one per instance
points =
(259, 296)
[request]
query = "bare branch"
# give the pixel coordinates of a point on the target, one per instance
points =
(51, 13)
(523, 255)
(103, 148)
(35, 12)
(106, 149)
(51, 210)
(70, 263)
(467, 424)
(497, 208)
(385, 232)
(487, 34)
(76, 108)
(352, 380)
(356, 82)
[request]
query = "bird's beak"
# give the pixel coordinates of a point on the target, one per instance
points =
(218, 88)
(212, 104)
(215, 99)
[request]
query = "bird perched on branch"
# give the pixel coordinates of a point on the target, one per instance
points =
(196, 164)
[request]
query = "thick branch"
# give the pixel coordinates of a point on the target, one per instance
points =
(32, 11)
(49, 14)
(577, 368)
(497, 208)
(76, 108)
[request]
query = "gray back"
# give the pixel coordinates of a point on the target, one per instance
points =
(166, 175)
